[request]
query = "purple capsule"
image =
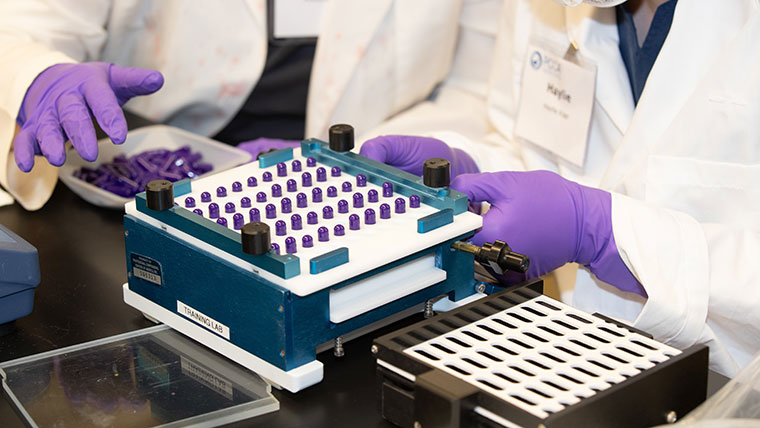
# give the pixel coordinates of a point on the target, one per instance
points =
(296, 165)
(321, 174)
(339, 230)
(252, 182)
(267, 176)
(222, 221)
(361, 180)
(261, 197)
(312, 217)
(323, 234)
(311, 162)
(296, 223)
(369, 216)
(332, 192)
(282, 169)
(316, 194)
(327, 212)
(286, 205)
(290, 245)
(414, 201)
(213, 210)
(275, 248)
(276, 190)
(198, 211)
(307, 241)
(229, 207)
(291, 185)
(400, 206)
(387, 189)
(280, 228)
(342, 206)
(221, 192)
(358, 200)
(254, 215)
(372, 195)
(353, 222)
(205, 197)
(271, 211)
(346, 186)
(238, 221)
(301, 200)
(335, 171)
(189, 202)
(245, 202)
(385, 211)
(306, 179)
(237, 186)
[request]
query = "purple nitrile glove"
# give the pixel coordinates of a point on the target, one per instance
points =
(551, 220)
(409, 153)
(58, 103)
(262, 145)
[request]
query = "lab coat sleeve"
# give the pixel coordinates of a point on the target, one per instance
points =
(702, 280)
(34, 35)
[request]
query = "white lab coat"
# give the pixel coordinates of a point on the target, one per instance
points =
(373, 59)
(684, 166)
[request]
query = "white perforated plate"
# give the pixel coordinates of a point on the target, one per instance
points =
(372, 246)
(542, 355)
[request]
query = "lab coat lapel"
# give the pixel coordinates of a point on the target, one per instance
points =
(347, 28)
(595, 31)
(697, 35)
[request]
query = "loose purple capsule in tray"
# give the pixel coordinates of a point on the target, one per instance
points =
(127, 176)
(149, 153)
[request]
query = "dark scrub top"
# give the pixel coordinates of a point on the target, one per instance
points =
(639, 60)
(276, 108)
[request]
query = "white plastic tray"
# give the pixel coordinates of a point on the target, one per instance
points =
(219, 155)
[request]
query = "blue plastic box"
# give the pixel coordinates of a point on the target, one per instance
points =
(19, 275)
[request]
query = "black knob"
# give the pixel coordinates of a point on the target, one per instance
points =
(159, 195)
(500, 257)
(341, 138)
(255, 238)
(436, 172)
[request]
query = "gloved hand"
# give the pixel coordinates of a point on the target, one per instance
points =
(409, 153)
(263, 145)
(58, 103)
(551, 220)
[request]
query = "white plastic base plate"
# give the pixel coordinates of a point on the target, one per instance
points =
(293, 380)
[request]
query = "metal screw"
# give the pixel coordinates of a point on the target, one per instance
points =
(282, 353)
(480, 288)
(280, 308)
(429, 309)
(338, 350)
(129, 274)
(126, 233)
(417, 424)
(373, 349)
(671, 417)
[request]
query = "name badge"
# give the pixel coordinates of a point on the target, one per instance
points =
(294, 19)
(556, 101)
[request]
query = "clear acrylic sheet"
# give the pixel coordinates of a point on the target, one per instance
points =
(151, 377)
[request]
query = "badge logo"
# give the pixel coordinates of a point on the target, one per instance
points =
(536, 60)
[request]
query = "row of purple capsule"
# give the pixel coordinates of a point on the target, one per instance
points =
(327, 211)
(301, 201)
(292, 186)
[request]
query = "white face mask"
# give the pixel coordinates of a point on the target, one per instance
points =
(597, 3)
